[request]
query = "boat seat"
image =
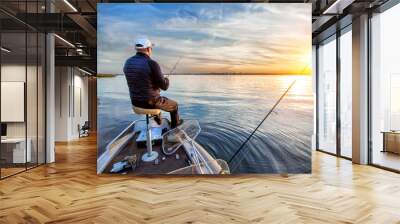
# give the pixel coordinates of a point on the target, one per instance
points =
(150, 155)
(139, 110)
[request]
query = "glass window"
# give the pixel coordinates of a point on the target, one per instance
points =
(22, 92)
(346, 93)
(327, 96)
(31, 97)
(385, 84)
(14, 153)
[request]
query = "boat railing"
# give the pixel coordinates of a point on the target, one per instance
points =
(115, 146)
(201, 161)
(194, 169)
(174, 138)
(185, 136)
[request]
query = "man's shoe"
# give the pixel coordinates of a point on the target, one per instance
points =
(180, 122)
(177, 125)
(158, 119)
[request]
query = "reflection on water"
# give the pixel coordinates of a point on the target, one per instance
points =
(229, 108)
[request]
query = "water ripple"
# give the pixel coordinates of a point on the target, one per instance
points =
(229, 109)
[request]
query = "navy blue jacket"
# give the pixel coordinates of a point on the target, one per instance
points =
(144, 78)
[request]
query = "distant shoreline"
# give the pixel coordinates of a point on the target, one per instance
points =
(106, 75)
(205, 74)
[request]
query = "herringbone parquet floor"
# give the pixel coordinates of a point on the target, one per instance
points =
(69, 191)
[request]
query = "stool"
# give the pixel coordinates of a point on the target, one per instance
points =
(150, 155)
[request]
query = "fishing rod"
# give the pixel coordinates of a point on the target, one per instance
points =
(173, 68)
(269, 113)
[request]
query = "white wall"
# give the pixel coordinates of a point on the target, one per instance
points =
(62, 81)
(70, 84)
(14, 73)
(33, 127)
(82, 82)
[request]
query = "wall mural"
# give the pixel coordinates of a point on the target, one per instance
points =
(204, 88)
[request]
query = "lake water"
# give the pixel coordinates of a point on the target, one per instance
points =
(229, 108)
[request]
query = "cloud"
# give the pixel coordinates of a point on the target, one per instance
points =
(264, 38)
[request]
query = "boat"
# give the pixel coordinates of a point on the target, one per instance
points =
(178, 152)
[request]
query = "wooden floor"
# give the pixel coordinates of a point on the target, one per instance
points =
(69, 191)
(5, 172)
(387, 159)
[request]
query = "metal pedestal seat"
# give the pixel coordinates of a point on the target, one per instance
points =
(150, 155)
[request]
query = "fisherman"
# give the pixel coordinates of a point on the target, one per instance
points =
(145, 79)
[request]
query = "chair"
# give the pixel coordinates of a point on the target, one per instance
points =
(83, 130)
(150, 155)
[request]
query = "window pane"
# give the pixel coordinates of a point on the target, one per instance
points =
(327, 96)
(32, 88)
(386, 89)
(23, 87)
(346, 93)
(31, 97)
(13, 86)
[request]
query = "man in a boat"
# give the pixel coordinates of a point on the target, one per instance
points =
(145, 79)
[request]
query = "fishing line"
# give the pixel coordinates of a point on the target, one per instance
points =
(266, 116)
(176, 64)
(173, 68)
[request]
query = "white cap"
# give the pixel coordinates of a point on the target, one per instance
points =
(143, 43)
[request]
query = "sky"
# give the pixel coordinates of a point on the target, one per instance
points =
(268, 38)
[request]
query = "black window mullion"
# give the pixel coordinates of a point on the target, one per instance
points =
(73, 92)
(338, 91)
(317, 96)
(26, 86)
(37, 90)
(1, 165)
(44, 78)
(45, 93)
(369, 90)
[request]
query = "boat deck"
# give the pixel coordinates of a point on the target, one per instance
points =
(163, 167)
